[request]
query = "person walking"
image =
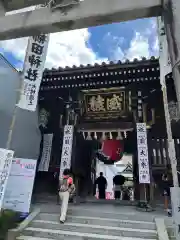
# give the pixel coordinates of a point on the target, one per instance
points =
(118, 181)
(101, 182)
(167, 183)
(66, 189)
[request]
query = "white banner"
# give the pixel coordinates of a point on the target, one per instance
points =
(164, 58)
(33, 71)
(66, 148)
(143, 158)
(5, 166)
(46, 154)
(20, 185)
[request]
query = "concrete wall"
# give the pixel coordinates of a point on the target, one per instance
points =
(26, 136)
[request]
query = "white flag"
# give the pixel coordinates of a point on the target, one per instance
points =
(33, 71)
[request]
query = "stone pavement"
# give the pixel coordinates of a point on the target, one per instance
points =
(93, 221)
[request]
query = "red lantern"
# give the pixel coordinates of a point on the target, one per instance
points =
(112, 150)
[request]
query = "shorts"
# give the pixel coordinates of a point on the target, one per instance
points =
(166, 192)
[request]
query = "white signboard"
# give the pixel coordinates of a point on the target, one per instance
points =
(175, 196)
(46, 154)
(5, 166)
(143, 159)
(66, 148)
(20, 185)
(164, 58)
(33, 70)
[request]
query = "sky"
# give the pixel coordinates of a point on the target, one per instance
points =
(113, 42)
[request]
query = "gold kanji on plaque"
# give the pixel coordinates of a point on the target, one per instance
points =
(97, 104)
(114, 103)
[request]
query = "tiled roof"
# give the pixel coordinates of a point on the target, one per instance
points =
(104, 64)
(101, 75)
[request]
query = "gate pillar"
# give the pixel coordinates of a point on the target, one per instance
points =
(171, 9)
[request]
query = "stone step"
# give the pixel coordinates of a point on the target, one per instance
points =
(95, 229)
(171, 231)
(100, 221)
(170, 227)
(115, 213)
(44, 234)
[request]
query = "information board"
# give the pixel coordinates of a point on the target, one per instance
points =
(20, 185)
(5, 166)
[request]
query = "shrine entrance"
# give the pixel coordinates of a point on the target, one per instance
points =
(104, 120)
(110, 154)
(102, 103)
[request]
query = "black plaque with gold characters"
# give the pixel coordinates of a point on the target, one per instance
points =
(104, 104)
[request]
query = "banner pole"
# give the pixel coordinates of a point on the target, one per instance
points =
(8, 144)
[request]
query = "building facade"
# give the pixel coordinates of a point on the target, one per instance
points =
(108, 100)
(101, 101)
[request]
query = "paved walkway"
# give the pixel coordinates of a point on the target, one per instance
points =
(94, 221)
(55, 208)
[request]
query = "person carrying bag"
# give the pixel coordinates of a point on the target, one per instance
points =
(66, 189)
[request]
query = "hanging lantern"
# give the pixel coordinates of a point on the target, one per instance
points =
(111, 151)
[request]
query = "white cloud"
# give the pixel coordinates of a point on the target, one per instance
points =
(143, 44)
(70, 48)
(139, 47)
(118, 54)
(65, 49)
(156, 46)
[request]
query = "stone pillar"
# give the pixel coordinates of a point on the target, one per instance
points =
(171, 15)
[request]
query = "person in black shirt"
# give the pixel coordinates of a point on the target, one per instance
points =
(167, 183)
(118, 181)
(101, 182)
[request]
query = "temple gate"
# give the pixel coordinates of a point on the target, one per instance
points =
(105, 102)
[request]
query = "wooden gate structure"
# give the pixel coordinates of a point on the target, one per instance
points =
(107, 99)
